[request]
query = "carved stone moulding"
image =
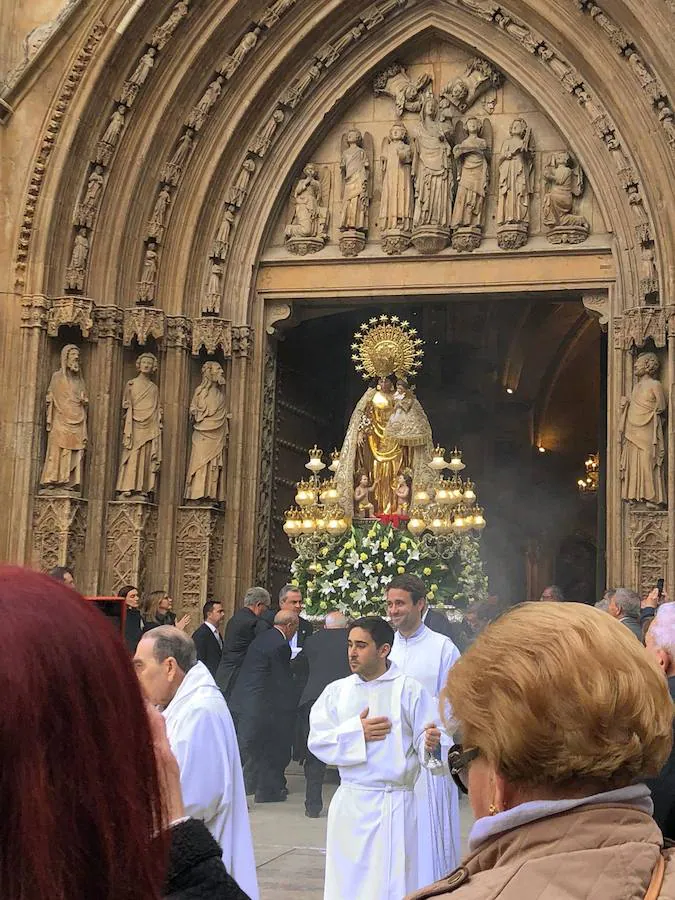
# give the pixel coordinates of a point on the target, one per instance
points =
(131, 537)
(431, 238)
(212, 334)
(35, 311)
(567, 234)
(242, 340)
(640, 324)
(71, 311)
(199, 546)
(352, 242)
(305, 245)
(648, 535)
(143, 323)
(58, 533)
(395, 241)
(512, 236)
(467, 238)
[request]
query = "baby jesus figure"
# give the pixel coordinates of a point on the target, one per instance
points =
(362, 502)
(402, 492)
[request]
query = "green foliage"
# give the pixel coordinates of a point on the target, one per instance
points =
(351, 575)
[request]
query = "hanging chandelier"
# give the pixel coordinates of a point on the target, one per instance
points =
(589, 484)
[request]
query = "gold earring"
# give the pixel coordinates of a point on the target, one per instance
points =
(493, 810)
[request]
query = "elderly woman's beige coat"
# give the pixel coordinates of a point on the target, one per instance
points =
(589, 853)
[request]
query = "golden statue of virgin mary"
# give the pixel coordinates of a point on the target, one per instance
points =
(389, 433)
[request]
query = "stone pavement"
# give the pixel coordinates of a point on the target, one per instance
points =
(290, 848)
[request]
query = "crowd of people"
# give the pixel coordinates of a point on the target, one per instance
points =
(556, 720)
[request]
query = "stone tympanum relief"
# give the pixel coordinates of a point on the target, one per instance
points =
(355, 167)
(210, 429)
(398, 197)
(473, 175)
(307, 230)
(564, 180)
(643, 449)
(516, 185)
(67, 403)
(142, 432)
(422, 109)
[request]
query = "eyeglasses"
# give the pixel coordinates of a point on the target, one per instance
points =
(458, 762)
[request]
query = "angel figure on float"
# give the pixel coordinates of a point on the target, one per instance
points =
(403, 493)
(363, 505)
(385, 350)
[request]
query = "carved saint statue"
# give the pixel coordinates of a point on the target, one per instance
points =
(214, 290)
(239, 189)
(146, 286)
(158, 217)
(297, 90)
(395, 82)
(210, 420)
(232, 63)
(473, 174)
(274, 12)
(564, 182)
(262, 141)
(396, 208)
(142, 434)
(78, 261)
(107, 144)
(363, 505)
(222, 242)
(355, 166)
(310, 216)
(642, 441)
(199, 113)
(163, 32)
(516, 169)
(432, 169)
(66, 424)
(87, 208)
(141, 72)
(173, 169)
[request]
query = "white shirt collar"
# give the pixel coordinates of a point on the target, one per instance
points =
(213, 628)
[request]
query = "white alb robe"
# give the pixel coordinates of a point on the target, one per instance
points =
(428, 657)
(371, 844)
(201, 734)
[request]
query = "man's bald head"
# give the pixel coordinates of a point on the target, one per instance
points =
(287, 621)
(163, 658)
(336, 620)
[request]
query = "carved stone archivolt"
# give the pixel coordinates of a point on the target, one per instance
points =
(131, 537)
(58, 532)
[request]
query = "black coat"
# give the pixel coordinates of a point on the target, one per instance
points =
(133, 628)
(439, 623)
(208, 648)
(305, 628)
(240, 631)
(265, 685)
(326, 655)
(663, 788)
(196, 870)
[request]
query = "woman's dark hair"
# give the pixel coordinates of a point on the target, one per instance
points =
(380, 631)
(127, 589)
(79, 788)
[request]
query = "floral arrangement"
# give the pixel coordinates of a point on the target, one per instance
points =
(351, 574)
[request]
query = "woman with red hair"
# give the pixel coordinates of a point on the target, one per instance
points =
(90, 799)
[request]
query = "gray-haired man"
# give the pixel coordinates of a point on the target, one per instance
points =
(624, 605)
(244, 625)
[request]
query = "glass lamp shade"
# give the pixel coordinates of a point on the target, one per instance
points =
(290, 527)
(329, 494)
(334, 461)
(469, 493)
(421, 498)
(343, 526)
(320, 523)
(443, 493)
(436, 524)
(334, 526)
(315, 465)
(456, 464)
(416, 525)
(458, 521)
(438, 463)
(308, 526)
(306, 495)
(478, 519)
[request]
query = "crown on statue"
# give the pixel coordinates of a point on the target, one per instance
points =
(387, 346)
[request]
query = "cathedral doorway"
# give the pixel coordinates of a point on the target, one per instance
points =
(516, 383)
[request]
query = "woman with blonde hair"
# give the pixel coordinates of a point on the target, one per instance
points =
(562, 715)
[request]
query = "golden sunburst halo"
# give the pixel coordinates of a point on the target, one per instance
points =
(387, 346)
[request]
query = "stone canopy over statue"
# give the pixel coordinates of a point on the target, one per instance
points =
(388, 445)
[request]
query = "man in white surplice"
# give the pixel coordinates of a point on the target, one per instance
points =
(202, 737)
(377, 725)
(427, 657)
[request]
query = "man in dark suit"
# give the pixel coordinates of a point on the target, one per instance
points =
(207, 637)
(242, 628)
(439, 622)
(326, 655)
(264, 701)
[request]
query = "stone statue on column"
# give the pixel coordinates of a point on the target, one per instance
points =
(473, 175)
(67, 402)
(564, 182)
(355, 165)
(516, 169)
(142, 435)
(210, 422)
(643, 449)
(432, 172)
(307, 232)
(397, 206)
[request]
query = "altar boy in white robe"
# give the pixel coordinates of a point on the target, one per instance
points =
(378, 725)
(427, 657)
(202, 737)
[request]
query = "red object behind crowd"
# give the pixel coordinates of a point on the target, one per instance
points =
(79, 791)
